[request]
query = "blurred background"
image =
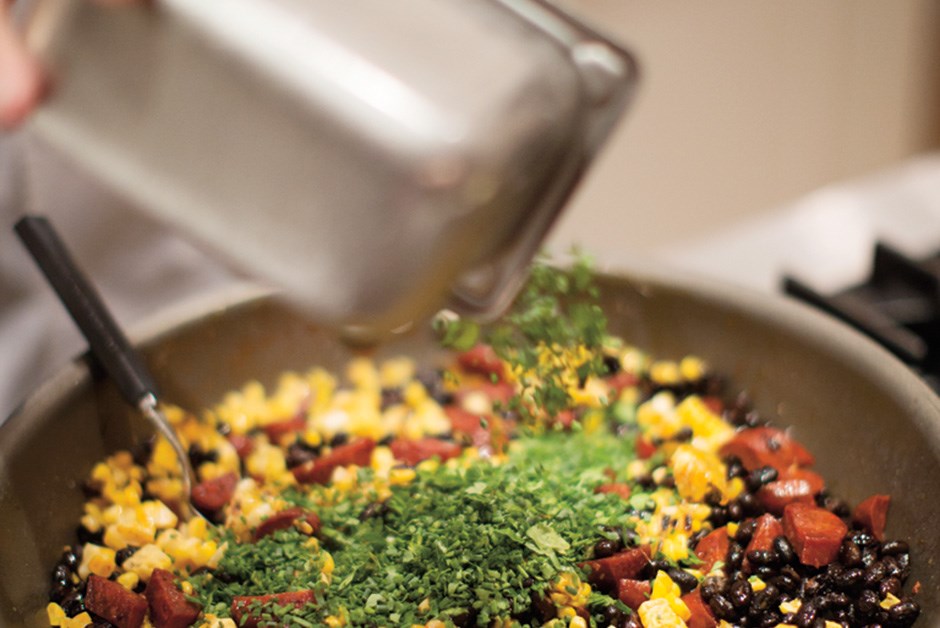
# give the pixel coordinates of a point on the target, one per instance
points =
(765, 137)
(746, 106)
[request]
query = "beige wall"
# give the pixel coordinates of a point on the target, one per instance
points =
(747, 104)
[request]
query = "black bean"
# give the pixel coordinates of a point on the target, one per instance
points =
(374, 510)
(721, 607)
(73, 603)
(735, 556)
(769, 619)
(869, 556)
(863, 539)
(542, 607)
(893, 548)
(734, 468)
(850, 554)
(124, 554)
(762, 557)
(745, 532)
(197, 455)
(758, 477)
(87, 536)
(299, 452)
(875, 573)
(813, 586)
(711, 586)
(750, 505)
(836, 600)
(632, 621)
(848, 578)
(785, 582)
(740, 593)
(612, 616)
(805, 617)
(784, 550)
(340, 439)
(904, 613)
(765, 599)
(836, 506)
(686, 581)
(59, 590)
(867, 603)
(904, 562)
(98, 622)
(892, 568)
(819, 623)
(605, 548)
(890, 585)
(735, 510)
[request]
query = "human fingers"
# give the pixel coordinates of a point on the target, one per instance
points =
(21, 78)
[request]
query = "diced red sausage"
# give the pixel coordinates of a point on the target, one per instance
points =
(320, 470)
(815, 533)
(621, 380)
(633, 592)
(644, 447)
(793, 485)
(712, 548)
(279, 429)
(701, 616)
(617, 488)
(212, 495)
(243, 605)
(243, 444)
(108, 599)
(169, 607)
(768, 528)
(495, 434)
(482, 359)
(606, 572)
(284, 519)
(767, 446)
(500, 392)
(873, 514)
(414, 451)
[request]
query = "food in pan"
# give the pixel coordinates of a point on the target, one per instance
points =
(550, 474)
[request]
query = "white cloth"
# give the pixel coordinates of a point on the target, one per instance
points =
(137, 265)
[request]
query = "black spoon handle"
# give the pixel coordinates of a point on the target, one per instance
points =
(108, 343)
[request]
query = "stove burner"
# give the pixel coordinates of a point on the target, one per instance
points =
(898, 306)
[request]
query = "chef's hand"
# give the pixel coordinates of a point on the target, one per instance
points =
(21, 78)
(22, 81)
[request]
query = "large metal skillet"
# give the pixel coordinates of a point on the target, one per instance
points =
(873, 426)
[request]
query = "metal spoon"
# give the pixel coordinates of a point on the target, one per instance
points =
(108, 343)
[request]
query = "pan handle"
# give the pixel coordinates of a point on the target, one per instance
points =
(108, 343)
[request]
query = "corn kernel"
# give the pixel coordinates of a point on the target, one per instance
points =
(790, 606)
(691, 368)
(665, 372)
(659, 614)
(401, 477)
(145, 560)
(55, 613)
(97, 560)
(757, 584)
(889, 601)
(577, 622)
(425, 606)
(732, 528)
(128, 580)
(435, 623)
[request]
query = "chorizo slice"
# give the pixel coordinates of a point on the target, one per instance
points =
(482, 360)
(620, 489)
(793, 485)
(873, 515)
(248, 610)
(243, 444)
(320, 470)
(279, 429)
(411, 452)
(212, 495)
(284, 519)
(815, 533)
(700, 614)
(768, 528)
(633, 592)
(713, 548)
(111, 601)
(767, 446)
(169, 607)
(607, 572)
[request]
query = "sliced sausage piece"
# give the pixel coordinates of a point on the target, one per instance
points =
(873, 515)
(793, 485)
(815, 533)
(212, 495)
(645, 448)
(412, 452)
(607, 572)
(108, 599)
(633, 592)
(617, 488)
(279, 429)
(482, 430)
(243, 606)
(243, 444)
(713, 548)
(767, 446)
(768, 528)
(169, 607)
(284, 519)
(482, 359)
(701, 616)
(320, 470)
(618, 381)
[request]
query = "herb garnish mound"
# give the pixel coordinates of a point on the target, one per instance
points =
(477, 543)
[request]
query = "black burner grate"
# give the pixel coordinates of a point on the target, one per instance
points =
(898, 306)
